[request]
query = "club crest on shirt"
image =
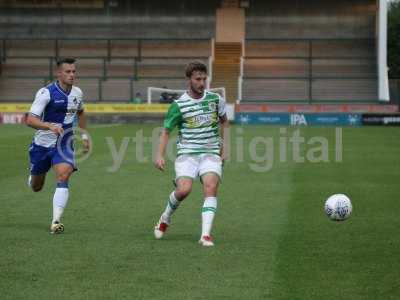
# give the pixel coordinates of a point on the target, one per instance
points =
(212, 106)
(209, 106)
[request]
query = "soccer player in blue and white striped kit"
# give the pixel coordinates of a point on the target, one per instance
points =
(52, 114)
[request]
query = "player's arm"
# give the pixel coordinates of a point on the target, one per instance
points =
(82, 125)
(224, 129)
(224, 123)
(35, 122)
(42, 98)
(160, 160)
(172, 119)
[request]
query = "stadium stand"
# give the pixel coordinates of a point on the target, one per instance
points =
(92, 88)
(26, 67)
(52, 4)
(121, 19)
(276, 90)
(395, 91)
(175, 48)
(121, 67)
(10, 91)
(348, 90)
(294, 51)
(315, 53)
(164, 67)
(309, 70)
(277, 48)
(102, 65)
(329, 19)
(275, 67)
(116, 89)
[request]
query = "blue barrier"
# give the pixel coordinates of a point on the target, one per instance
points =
(318, 119)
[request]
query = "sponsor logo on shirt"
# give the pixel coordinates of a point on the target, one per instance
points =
(202, 120)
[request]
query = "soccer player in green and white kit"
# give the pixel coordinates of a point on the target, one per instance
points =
(198, 114)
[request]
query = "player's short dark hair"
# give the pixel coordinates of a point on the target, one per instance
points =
(193, 67)
(65, 60)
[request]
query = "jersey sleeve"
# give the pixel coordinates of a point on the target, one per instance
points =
(221, 107)
(81, 106)
(81, 100)
(173, 117)
(42, 98)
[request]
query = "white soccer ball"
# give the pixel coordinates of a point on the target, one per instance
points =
(338, 207)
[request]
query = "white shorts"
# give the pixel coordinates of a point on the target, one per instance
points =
(194, 166)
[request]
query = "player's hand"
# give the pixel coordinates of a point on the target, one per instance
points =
(160, 163)
(56, 129)
(86, 146)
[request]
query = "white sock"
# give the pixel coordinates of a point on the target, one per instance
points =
(172, 205)
(207, 215)
(30, 181)
(60, 200)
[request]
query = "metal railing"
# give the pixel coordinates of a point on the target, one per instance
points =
(136, 64)
(108, 44)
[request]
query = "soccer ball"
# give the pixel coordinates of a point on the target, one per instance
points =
(338, 207)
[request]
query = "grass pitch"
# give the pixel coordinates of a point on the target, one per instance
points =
(272, 238)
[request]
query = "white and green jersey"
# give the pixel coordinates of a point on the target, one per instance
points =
(197, 121)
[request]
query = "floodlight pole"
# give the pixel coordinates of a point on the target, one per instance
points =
(381, 36)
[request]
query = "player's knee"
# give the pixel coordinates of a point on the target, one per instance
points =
(37, 187)
(183, 191)
(210, 187)
(63, 177)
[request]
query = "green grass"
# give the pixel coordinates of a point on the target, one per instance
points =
(273, 240)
